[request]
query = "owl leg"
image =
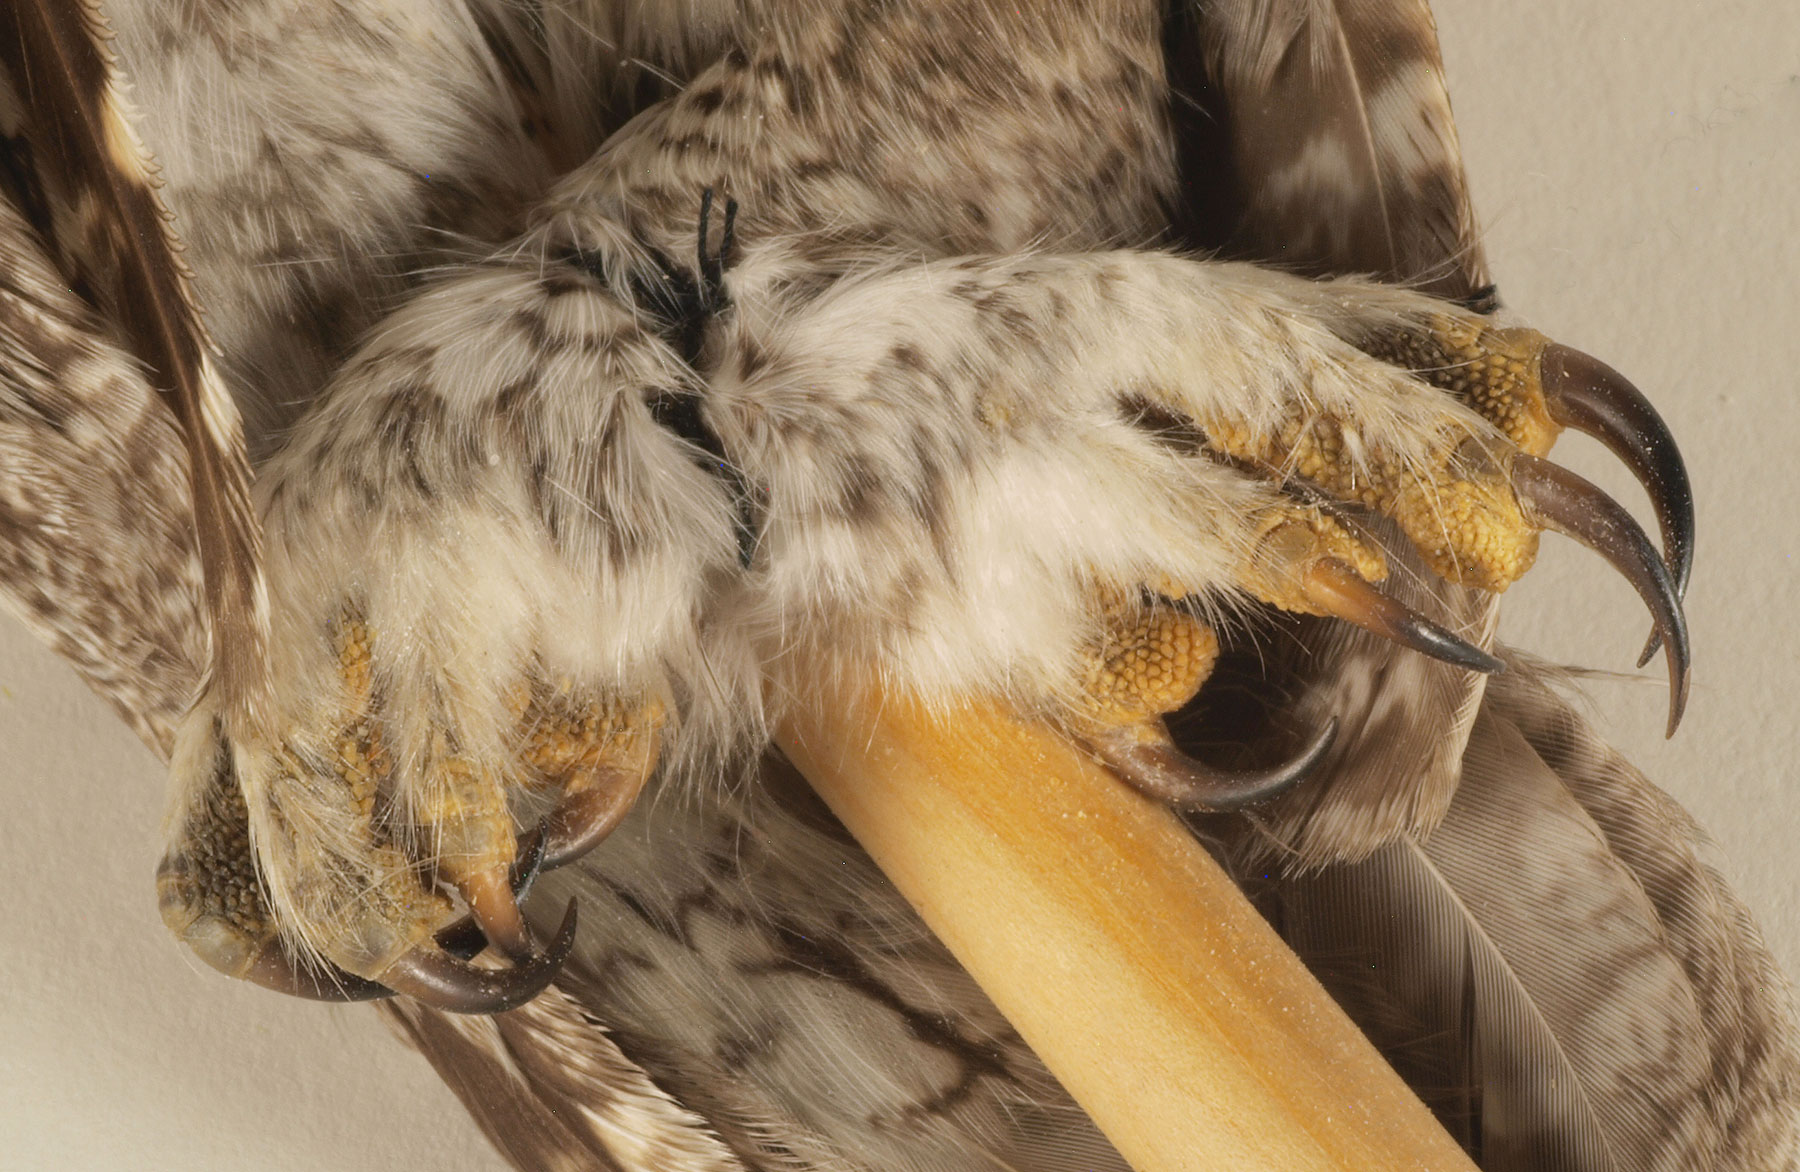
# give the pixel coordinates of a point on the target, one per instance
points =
(487, 560)
(977, 472)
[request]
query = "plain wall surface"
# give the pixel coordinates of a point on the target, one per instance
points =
(1634, 166)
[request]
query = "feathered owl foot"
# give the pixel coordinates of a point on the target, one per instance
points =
(404, 878)
(454, 543)
(1155, 657)
(1037, 477)
(1471, 504)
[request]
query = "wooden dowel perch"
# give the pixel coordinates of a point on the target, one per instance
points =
(1115, 945)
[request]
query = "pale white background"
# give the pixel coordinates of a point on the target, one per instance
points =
(1635, 165)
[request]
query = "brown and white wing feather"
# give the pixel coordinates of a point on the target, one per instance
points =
(1343, 146)
(1743, 1001)
(96, 524)
(114, 239)
(1520, 920)
(552, 1090)
(1554, 968)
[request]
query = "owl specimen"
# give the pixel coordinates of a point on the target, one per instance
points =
(612, 376)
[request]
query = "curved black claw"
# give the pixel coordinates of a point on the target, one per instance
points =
(1159, 770)
(273, 968)
(1555, 498)
(1586, 394)
(1335, 588)
(578, 824)
(465, 939)
(582, 819)
(452, 984)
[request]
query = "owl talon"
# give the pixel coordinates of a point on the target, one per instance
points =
(274, 968)
(528, 863)
(1586, 394)
(1145, 757)
(1555, 498)
(585, 817)
(1154, 661)
(452, 984)
(1336, 589)
(496, 912)
(260, 957)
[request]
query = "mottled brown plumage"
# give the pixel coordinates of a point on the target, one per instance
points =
(740, 955)
(114, 241)
(98, 548)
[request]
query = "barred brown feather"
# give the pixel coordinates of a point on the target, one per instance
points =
(1554, 968)
(96, 529)
(113, 234)
(552, 1090)
(1611, 1048)
(1344, 147)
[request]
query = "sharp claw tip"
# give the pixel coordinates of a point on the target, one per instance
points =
(565, 934)
(1322, 741)
(527, 863)
(1558, 499)
(1584, 393)
(1476, 659)
(1337, 589)
(450, 983)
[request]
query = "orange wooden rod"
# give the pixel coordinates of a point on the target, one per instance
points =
(1114, 943)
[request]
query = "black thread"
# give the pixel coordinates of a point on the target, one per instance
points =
(1485, 300)
(682, 306)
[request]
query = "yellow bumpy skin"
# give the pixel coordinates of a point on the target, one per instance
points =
(209, 890)
(463, 813)
(1498, 372)
(569, 748)
(1458, 508)
(1153, 660)
(1292, 542)
(1154, 655)
(1455, 500)
(363, 763)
